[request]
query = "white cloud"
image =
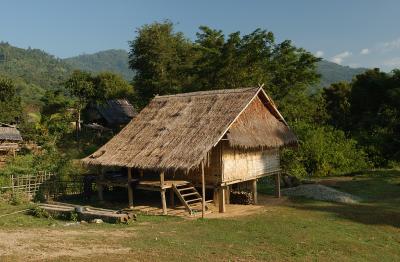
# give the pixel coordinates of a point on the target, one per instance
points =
(338, 59)
(319, 53)
(393, 62)
(388, 46)
(365, 51)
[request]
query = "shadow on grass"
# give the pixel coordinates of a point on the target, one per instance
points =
(361, 213)
(380, 191)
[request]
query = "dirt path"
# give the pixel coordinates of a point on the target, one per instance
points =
(50, 244)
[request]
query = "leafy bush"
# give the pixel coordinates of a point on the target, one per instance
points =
(323, 151)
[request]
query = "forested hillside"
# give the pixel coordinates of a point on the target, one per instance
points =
(110, 60)
(333, 73)
(32, 70)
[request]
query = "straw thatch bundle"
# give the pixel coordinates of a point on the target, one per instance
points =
(177, 131)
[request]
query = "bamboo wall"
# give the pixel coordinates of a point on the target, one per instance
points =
(245, 164)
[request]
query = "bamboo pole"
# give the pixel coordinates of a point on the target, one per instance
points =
(203, 189)
(130, 189)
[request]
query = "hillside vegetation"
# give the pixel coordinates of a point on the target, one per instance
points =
(110, 60)
(333, 73)
(32, 70)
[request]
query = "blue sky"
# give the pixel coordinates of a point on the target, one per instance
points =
(355, 33)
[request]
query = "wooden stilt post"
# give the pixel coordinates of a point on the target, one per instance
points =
(130, 189)
(221, 199)
(162, 190)
(100, 186)
(254, 191)
(278, 185)
(215, 196)
(227, 195)
(203, 189)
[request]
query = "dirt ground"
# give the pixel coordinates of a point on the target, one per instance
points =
(74, 243)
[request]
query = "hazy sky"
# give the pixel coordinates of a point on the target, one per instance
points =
(355, 33)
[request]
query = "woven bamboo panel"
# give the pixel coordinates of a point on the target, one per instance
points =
(242, 164)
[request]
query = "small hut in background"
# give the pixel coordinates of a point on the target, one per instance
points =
(211, 140)
(10, 139)
(112, 114)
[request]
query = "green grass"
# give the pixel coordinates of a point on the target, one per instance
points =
(299, 230)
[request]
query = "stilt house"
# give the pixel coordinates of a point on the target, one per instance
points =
(10, 138)
(211, 140)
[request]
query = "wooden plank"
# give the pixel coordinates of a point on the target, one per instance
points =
(254, 191)
(130, 189)
(203, 189)
(278, 185)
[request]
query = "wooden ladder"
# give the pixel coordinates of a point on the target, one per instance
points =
(189, 196)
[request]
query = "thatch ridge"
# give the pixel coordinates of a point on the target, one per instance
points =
(175, 131)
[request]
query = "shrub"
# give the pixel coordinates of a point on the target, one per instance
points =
(323, 151)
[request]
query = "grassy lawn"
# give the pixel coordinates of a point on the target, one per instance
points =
(297, 230)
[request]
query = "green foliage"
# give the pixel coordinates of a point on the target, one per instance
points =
(166, 62)
(337, 98)
(159, 57)
(35, 66)
(369, 110)
(19, 198)
(111, 86)
(40, 212)
(323, 151)
(10, 103)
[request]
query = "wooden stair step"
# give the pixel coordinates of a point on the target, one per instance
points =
(181, 185)
(186, 188)
(190, 194)
(193, 200)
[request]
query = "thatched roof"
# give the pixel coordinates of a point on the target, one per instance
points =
(9, 133)
(117, 111)
(177, 131)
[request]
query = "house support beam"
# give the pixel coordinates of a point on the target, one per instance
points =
(215, 196)
(163, 199)
(221, 199)
(130, 189)
(254, 191)
(278, 185)
(203, 189)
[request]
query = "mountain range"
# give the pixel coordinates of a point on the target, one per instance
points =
(117, 61)
(36, 71)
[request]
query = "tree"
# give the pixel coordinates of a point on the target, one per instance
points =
(375, 114)
(109, 85)
(160, 57)
(337, 98)
(81, 86)
(10, 103)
